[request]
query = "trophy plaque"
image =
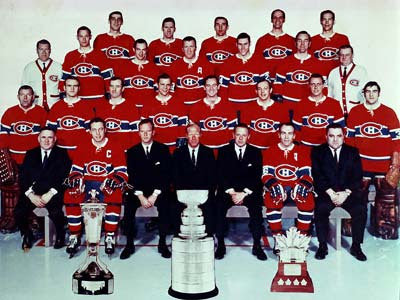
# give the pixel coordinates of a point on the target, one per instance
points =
(292, 275)
(93, 276)
(192, 270)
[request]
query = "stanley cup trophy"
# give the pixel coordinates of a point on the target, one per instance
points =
(93, 276)
(193, 272)
(292, 274)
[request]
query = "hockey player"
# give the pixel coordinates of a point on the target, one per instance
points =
(43, 75)
(375, 130)
(139, 76)
(117, 46)
(214, 115)
(90, 65)
(313, 114)
(99, 165)
(264, 116)
(275, 45)
(188, 73)
(287, 175)
(325, 46)
(220, 47)
(164, 51)
(345, 82)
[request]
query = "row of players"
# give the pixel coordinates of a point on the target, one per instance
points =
(230, 58)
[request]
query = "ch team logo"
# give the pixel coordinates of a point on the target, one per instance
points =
(285, 172)
(139, 82)
(84, 69)
(214, 123)
(23, 128)
(371, 129)
(190, 81)
(53, 78)
(354, 82)
(328, 53)
(264, 125)
(219, 56)
(69, 123)
(318, 120)
(167, 59)
(162, 120)
(96, 168)
(113, 124)
(277, 52)
(244, 78)
(301, 76)
(114, 52)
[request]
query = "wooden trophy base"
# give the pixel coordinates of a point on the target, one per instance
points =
(292, 278)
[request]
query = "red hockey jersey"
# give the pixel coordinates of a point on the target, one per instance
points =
(218, 51)
(163, 54)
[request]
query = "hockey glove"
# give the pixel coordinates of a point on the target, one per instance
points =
(301, 190)
(276, 190)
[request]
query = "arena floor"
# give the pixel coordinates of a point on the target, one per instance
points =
(45, 273)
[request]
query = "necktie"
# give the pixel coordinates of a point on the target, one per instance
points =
(147, 152)
(240, 154)
(335, 156)
(45, 158)
(345, 72)
(44, 66)
(193, 158)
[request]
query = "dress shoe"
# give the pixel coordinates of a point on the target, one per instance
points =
(109, 242)
(259, 252)
(275, 250)
(164, 251)
(322, 252)
(357, 253)
(221, 251)
(27, 241)
(73, 245)
(60, 241)
(127, 251)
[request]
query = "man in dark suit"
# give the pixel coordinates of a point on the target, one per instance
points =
(43, 171)
(239, 183)
(194, 168)
(337, 173)
(148, 165)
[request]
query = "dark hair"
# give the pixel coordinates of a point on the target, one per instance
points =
(146, 121)
(140, 41)
(168, 19)
(328, 11)
(316, 75)
(117, 78)
(243, 35)
(210, 77)
(115, 12)
(70, 77)
(241, 125)
(26, 87)
(43, 42)
(347, 46)
(276, 10)
(189, 38)
(163, 76)
(221, 18)
(97, 120)
(370, 84)
(48, 128)
(286, 124)
(334, 126)
(264, 80)
(84, 28)
(303, 32)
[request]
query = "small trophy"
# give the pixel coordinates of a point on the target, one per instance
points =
(93, 276)
(292, 275)
(193, 270)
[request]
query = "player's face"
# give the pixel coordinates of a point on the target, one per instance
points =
(287, 135)
(211, 87)
(141, 51)
(220, 27)
(71, 88)
(335, 137)
(43, 52)
(47, 139)
(115, 22)
(345, 56)
(189, 49)
(84, 38)
(263, 91)
(116, 88)
(316, 86)
(98, 132)
(302, 43)
(26, 97)
(193, 136)
(243, 46)
(146, 133)
(371, 94)
(241, 135)
(168, 30)
(277, 20)
(327, 22)
(164, 86)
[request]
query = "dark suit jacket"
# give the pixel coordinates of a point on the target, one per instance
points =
(148, 174)
(190, 177)
(51, 176)
(239, 175)
(347, 174)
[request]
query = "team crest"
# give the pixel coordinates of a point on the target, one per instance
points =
(113, 124)
(84, 69)
(167, 59)
(285, 172)
(140, 82)
(69, 122)
(327, 53)
(53, 78)
(190, 81)
(301, 76)
(114, 52)
(354, 82)
(263, 125)
(96, 168)
(318, 120)
(23, 128)
(244, 78)
(276, 52)
(214, 123)
(219, 56)
(371, 130)
(162, 120)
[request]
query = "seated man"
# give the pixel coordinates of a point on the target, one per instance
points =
(148, 165)
(239, 173)
(43, 171)
(337, 172)
(99, 164)
(287, 175)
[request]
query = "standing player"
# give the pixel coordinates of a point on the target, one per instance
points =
(164, 51)
(99, 165)
(117, 46)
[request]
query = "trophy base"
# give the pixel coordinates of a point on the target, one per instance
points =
(189, 296)
(86, 284)
(292, 278)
